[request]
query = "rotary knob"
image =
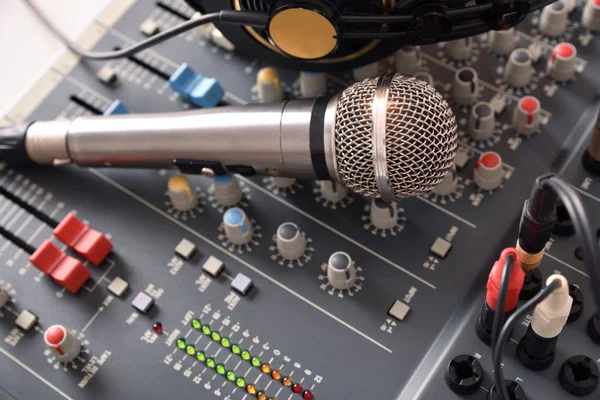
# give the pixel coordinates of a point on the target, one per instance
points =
(268, 86)
(3, 297)
(482, 121)
(561, 64)
(182, 195)
(526, 116)
(425, 77)
(591, 15)
(283, 183)
(227, 190)
(383, 215)
(366, 71)
(408, 60)
(465, 86)
(62, 343)
(238, 227)
(554, 19)
(519, 68)
(489, 173)
(460, 49)
(333, 191)
(448, 185)
(503, 42)
(313, 84)
(341, 272)
(291, 242)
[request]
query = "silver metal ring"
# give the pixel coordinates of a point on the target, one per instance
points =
(380, 102)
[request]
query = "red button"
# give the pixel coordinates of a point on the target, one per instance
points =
(93, 246)
(70, 230)
(489, 160)
(46, 257)
(55, 334)
(70, 274)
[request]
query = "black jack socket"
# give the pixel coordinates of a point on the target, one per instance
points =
(579, 375)
(464, 374)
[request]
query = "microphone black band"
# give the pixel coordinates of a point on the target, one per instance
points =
(316, 139)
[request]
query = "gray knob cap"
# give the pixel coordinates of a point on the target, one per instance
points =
(554, 19)
(383, 215)
(227, 190)
(482, 121)
(561, 64)
(238, 227)
(341, 272)
(313, 84)
(333, 191)
(366, 71)
(448, 185)
(283, 183)
(182, 195)
(459, 49)
(408, 60)
(268, 86)
(465, 86)
(489, 173)
(3, 297)
(425, 77)
(526, 116)
(519, 68)
(591, 15)
(503, 42)
(62, 343)
(291, 243)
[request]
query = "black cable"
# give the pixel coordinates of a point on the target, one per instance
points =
(498, 349)
(502, 294)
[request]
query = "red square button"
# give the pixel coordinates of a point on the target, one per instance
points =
(70, 229)
(71, 274)
(46, 257)
(93, 246)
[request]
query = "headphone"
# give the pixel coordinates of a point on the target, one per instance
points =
(324, 35)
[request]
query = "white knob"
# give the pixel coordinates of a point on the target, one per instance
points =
(425, 77)
(591, 15)
(408, 60)
(554, 19)
(238, 227)
(313, 84)
(561, 64)
(283, 183)
(526, 116)
(383, 215)
(182, 195)
(366, 71)
(62, 343)
(465, 86)
(503, 42)
(227, 190)
(519, 68)
(291, 243)
(489, 173)
(448, 185)
(3, 297)
(268, 86)
(482, 121)
(341, 272)
(459, 49)
(333, 191)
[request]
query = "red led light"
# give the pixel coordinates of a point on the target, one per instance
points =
(296, 388)
(157, 327)
(307, 395)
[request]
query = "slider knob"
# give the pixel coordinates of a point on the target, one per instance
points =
(448, 185)
(482, 121)
(283, 183)
(313, 84)
(591, 15)
(459, 49)
(526, 116)
(503, 42)
(268, 86)
(227, 190)
(341, 272)
(291, 242)
(333, 191)
(62, 343)
(561, 64)
(554, 19)
(3, 297)
(384, 215)
(465, 86)
(182, 195)
(519, 68)
(489, 173)
(408, 60)
(238, 228)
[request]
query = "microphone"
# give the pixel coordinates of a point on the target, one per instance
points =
(390, 137)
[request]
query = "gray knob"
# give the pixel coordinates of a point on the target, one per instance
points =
(333, 191)
(366, 71)
(489, 173)
(448, 185)
(383, 215)
(519, 68)
(238, 227)
(503, 42)
(291, 243)
(341, 272)
(3, 297)
(408, 60)
(313, 84)
(425, 77)
(283, 183)
(465, 86)
(554, 19)
(227, 190)
(561, 64)
(62, 343)
(591, 15)
(459, 49)
(526, 116)
(182, 195)
(482, 121)
(268, 86)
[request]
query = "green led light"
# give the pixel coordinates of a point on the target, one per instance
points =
(256, 361)
(206, 329)
(240, 382)
(230, 376)
(225, 342)
(196, 324)
(220, 369)
(235, 349)
(200, 356)
(210, 362)
(216, 336)
(181, 343)
(191, 350)
(245, 355)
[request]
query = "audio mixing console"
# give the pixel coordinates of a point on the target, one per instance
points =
(240, 288)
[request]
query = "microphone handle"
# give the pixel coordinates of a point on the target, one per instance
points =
(282, 139)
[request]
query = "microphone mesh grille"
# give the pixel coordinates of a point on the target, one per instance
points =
(421, 137)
